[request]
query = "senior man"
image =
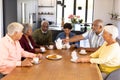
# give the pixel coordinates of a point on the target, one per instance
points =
(43, 36)
(94, 36)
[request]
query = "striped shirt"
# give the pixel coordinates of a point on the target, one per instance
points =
(95, 40)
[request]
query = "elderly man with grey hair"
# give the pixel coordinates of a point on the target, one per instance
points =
(94, 36)
(11, 51)
(108, 55)
(43, 36)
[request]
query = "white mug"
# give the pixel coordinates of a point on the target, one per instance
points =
(42, 49)
(51, 46)
(83, 51)
(35, 60)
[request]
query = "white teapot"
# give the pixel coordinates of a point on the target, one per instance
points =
(58, 43)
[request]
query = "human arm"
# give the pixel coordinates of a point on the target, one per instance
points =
(80, 37)
(76, 38)
(83, 59)
(24, 42)
(73, 39)
(27, 61)
(50, 38)
(108, 55)
(35, 36)
(87, 58)
(93, 55)
(105, 55)
(90, 49)
(7, 53)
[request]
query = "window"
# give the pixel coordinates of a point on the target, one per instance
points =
(83, 8)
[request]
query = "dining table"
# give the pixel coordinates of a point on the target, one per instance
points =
(57, 69)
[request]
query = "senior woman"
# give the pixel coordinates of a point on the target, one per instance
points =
(11, 50)
(108, 55)
(27, 42)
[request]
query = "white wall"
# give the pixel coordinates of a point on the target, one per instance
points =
(117, 10)
(49, 9)
(117, 7)
(1, 19)
(102, 8)
(30, 10)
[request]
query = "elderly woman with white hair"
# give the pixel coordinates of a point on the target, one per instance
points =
(11, 51)
(108, 55)
(27, 42)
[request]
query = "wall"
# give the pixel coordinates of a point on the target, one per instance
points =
(47, 10)
(102, 8)
(30, 11)
(9, 13)
(1, 19)
(117, 7)
(117, 10)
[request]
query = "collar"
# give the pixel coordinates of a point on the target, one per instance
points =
(100, 34)
(9, 39)
(43, 31)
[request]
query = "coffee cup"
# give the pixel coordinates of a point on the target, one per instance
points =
(42, 49)
(83, 51)
(51, 46)
(35, 60)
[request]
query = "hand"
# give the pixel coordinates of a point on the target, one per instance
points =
(65, 40)
(83, 59)
(2, 68)
(39, 56)
(26, 62)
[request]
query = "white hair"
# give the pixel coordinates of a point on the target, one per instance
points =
(112, 30)
(44, 21)
(26, 27)
(14, 27)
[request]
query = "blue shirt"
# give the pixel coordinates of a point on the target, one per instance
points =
(63, 36)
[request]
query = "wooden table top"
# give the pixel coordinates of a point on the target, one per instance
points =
(62, 69)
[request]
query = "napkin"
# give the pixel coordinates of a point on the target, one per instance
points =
(74, 56)
(58, 43)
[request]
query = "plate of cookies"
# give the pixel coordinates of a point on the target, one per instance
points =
(54, 57)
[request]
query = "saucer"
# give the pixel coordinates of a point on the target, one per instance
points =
(73, 60)
(35, 63)
(83, 53)
(43, 51)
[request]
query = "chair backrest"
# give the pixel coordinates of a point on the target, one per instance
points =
(115, 75)
(118, 40)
